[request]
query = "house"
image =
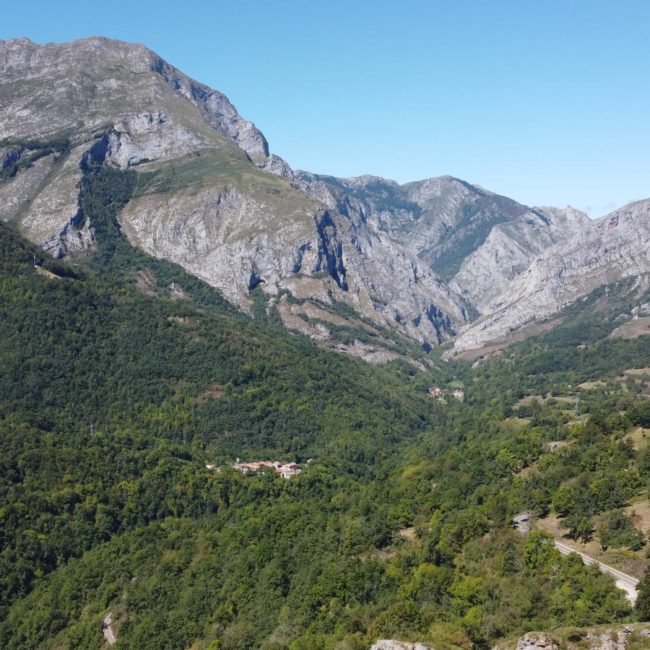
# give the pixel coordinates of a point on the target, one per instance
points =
(248, 468)
(288, 470)
(440, 393)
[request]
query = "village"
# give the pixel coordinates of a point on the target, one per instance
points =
(285, 470)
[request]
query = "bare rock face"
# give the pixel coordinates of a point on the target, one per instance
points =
(616, 638)
(536, 642)
(608, 250)
(473, 239)
(478, 241)
(277, 165)
(438, 220)
(400, 286)
(209, 196)
(228, 237)
(510, 265)
(508, 251)
(398, 645)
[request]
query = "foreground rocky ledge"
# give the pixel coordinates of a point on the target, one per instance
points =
(388, 644)
(605, 637)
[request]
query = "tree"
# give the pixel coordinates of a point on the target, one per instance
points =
(617, 530)
(565, 500)
(640, 414)
(584, 529)
(643, 597)
(539, 552)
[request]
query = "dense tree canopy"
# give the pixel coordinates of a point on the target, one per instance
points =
(112, 403)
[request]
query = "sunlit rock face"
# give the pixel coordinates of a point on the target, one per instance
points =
(432, 260)
(608, 250)
(209, 195)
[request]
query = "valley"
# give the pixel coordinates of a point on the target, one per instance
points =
(399, 527)
(245, 406)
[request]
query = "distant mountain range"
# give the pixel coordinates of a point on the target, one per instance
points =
(351, 262)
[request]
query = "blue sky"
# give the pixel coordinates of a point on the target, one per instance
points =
(547, 102)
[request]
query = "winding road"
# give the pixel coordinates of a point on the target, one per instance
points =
(623, 581)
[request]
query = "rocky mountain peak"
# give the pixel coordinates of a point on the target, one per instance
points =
(204, 196)
(568, 214)
(96, 79)
(421, 258)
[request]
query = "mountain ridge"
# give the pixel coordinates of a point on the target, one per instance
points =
(424, 258)
(614, 247)
(273, 235)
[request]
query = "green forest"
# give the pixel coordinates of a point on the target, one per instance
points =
(114, 400)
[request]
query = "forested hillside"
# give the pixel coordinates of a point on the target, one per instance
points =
(123, 377)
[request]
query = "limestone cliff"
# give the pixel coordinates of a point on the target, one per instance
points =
(606, 251)
(421, 259)
(209, 195)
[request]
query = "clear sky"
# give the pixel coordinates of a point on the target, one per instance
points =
(546, 101)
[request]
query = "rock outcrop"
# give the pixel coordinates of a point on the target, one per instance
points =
(611, 249)
(537, 642)
(598, 638)
(388, 644)
(209, 195)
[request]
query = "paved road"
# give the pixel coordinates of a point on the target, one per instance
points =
(623, 581)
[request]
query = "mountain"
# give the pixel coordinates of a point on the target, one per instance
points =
(123, 106)
(364, 265)
(439, 219)
(475, 240)
(608, 250)
(512, 265)
(205, 195)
